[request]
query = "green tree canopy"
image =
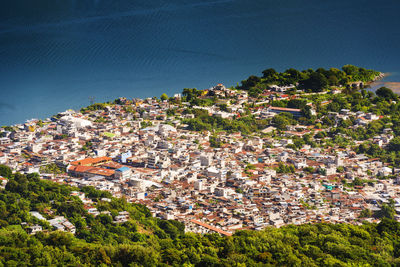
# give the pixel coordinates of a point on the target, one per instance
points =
(386, 93)
(164, 97)
(316, 82)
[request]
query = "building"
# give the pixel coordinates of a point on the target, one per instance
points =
(201, 227)
(123, 173)
(34, 229)
(199, 185)
(296, 112)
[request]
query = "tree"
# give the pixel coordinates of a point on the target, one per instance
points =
(250, 82)
(386, 93)
(394, 144)
(297, 103)
(350, 70)
(306, 112)
(365, 213)
(358, 182)
(389, 226)
(293, 75)
(164, 97)
(386, 211)
(283, 168)
(322, 171)
(223, 107)
(171, 112)
(280, 122)
(316, 82)
(333, 80)
(5, 171)
(190, 93)
(340, 169)
(215, 141)
(269, 73)
(53, 168)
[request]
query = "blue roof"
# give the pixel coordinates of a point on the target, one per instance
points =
(122, 169)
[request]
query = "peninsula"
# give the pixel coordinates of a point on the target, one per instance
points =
(291, 168)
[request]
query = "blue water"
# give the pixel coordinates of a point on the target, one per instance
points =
(55, 54)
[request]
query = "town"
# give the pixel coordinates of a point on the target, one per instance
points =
(155, 153)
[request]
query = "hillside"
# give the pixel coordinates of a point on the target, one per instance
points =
(143, 240)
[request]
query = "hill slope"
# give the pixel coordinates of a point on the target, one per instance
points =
(143, 240)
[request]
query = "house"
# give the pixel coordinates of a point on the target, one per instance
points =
(93, 211)
(199, 185)
(220, 191)
(123, 173)
(34, 229)
(123, 216)
(88, 171)
(217, 173)
(62, 224)
(201, 227)
(296, 112)
(92, 161)
(37, 215)
(76, 122)
(5, 141)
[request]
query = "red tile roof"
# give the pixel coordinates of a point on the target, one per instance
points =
(92, 170)
(210, 227)
(285, 109)
(91, 161)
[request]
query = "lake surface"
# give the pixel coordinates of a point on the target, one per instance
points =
(55, 54)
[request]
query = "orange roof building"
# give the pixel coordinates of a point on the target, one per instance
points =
(91, 161)
(210, 227)
(90, 171)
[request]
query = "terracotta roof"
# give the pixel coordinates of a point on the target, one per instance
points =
(91, 161)
(92, 170)
(112, 165)
(210, 227)
(285, 109)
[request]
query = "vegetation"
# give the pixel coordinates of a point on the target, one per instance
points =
(145, 124)
(8, 128)
(148, 241)
(309, 80)
(164, 97)
(283, 168)
(51, 168)
(215, 141)
(144, 240)
(204, 122)
(386, 93)
(95, 106)
(344, 132)
(282, 120)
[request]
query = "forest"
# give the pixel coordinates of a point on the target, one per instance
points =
(147, 241)
(308, 80)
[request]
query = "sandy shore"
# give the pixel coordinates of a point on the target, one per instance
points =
(395, 86)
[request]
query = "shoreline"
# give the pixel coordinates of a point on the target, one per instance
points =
(372, 86)
(379, 82)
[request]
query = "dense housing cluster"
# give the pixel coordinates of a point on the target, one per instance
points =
(284, 149)
(219, 160)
